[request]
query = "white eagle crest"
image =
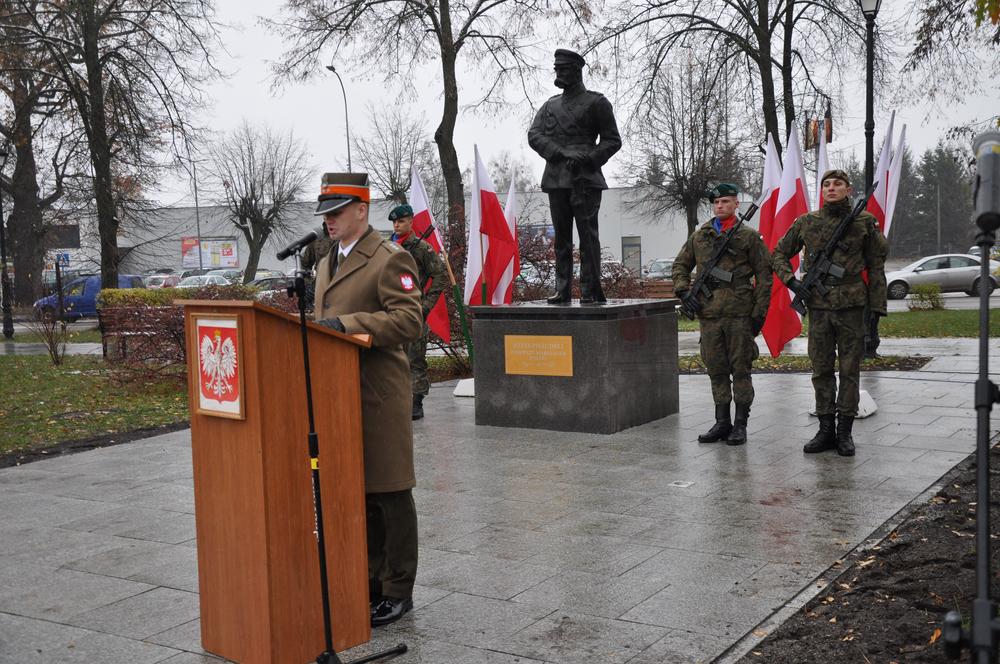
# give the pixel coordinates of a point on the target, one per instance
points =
(218, 364)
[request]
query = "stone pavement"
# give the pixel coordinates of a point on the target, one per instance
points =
(641, 547)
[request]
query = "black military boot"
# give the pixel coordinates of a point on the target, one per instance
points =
(845, 442)
(738, 435)
(826, 438)
(418, 407)
(721, 428)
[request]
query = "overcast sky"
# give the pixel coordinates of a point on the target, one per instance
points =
(314, 112)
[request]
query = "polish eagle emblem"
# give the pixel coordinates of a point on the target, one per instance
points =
(218, 365)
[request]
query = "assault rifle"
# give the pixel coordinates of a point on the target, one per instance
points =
(690, 304)
(821, 263)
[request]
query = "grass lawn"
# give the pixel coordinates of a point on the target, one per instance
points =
(919, 324)
(42, 404)
(801, 364)
(91, 336)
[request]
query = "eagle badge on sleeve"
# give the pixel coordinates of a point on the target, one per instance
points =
(407, 281)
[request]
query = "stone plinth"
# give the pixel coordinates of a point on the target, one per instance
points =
(596, 369)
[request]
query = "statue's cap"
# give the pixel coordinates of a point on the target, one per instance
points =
(565, 56)
(341, 189)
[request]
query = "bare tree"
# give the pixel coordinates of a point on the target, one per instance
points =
(259, 173)
(132, 70)
(505, 166)
(389, 150)
(775, 47)
(395, 36)
(682, 145)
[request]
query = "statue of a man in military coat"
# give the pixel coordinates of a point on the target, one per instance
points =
(576, 133)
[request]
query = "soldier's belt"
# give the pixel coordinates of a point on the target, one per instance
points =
(735, 283)
(846, 280)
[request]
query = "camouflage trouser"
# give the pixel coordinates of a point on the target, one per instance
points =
(836, 333)
(728, 350)
(416, 351)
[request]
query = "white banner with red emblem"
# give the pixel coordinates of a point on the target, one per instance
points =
(219, 362)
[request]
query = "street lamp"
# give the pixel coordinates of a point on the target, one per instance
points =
(346, 122)
(8, 319)
(870, 10)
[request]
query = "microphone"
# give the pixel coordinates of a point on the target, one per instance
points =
(987, 189)
(301, 242)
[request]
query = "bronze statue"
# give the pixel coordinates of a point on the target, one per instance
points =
(576, 133)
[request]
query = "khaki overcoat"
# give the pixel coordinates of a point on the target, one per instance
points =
(375, 291)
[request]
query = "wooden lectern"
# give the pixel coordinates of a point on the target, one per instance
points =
(258, 564)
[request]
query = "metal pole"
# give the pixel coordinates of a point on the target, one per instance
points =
(8, 319)
(197, 216)
(347, 124)
(870, 103)
(939, 218)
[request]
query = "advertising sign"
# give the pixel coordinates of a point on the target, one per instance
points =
(215, 252)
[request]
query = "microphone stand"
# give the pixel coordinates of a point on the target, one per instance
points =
(981, 638)
(329, 655)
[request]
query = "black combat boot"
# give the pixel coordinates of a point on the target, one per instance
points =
(826, 438)
(845, 442)
(738, 435)
(418, 407)
(721, 428)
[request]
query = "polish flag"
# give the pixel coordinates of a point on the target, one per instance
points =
(491, 245)
(878, 202)
(783, 323)
(822, 165)
(769, 195)
(893, 177)
(423, 220)
(504, 294)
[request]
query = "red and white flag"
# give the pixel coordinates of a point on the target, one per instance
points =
(504, 294)
(424, 227)
(769, 194)
(894, 175)
(822, 165)
(783, 323)
(879, 199)
(491, 245)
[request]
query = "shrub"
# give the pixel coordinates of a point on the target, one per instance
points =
(925, 296)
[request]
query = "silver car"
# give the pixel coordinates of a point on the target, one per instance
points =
(660, 268)
(954, 273)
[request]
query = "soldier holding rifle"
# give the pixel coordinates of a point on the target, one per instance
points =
(730, 298)
(840, 243)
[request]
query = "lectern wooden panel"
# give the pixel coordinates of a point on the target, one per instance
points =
(258, 564)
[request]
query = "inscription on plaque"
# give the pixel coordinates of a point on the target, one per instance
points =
(536, 355)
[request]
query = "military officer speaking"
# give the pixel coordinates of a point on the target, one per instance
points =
(836, 320)
(369, 285)
(432, 276)
(733, 316)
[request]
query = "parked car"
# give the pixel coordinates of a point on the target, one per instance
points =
(231, 275)
(158, 270)
(80, 297)
(268, 284)
(194, 272)
(199, 280)
(263, 274)
(994, 255)
(161, 280)
(952, 272)
(659, 268)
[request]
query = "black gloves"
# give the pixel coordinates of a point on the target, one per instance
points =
(333, 324)
(756, 324)
(796, 287)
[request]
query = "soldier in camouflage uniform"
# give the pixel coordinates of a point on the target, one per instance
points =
(732, 318)
(836, 320)
(314, 251)
(431, 268)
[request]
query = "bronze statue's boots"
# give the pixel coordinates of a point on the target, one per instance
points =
(826, 438)
(845, 442)
(418, 407)
(738, 436)
(559, 298)
(723, 425)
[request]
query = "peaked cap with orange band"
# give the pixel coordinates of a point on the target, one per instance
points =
(340, 190)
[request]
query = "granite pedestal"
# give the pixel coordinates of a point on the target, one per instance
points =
(589, 368)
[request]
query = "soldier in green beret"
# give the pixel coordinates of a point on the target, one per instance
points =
(732, 318)
(836, 320)
(430, 269)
